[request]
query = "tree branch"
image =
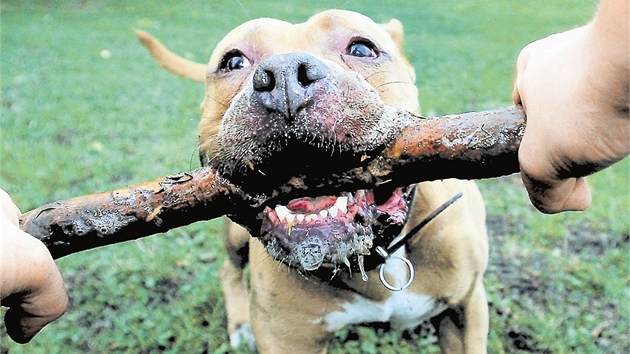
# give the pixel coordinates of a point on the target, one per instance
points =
(465, 146)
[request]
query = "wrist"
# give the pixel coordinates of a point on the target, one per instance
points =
(607, 43)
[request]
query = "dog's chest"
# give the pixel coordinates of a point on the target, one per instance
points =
(403, 309)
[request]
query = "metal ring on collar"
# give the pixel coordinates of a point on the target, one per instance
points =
(412, 274)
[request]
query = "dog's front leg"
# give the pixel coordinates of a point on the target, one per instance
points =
(286, 309)
(465, 329)
(235, 287)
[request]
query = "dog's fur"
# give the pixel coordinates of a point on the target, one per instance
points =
(289, 312)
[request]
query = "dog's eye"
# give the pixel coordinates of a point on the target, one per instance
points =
(362, 49)
(234, 60)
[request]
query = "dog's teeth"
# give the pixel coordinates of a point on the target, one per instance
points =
(311, 217)
(362, 246)
(363, 249)
(342, 204)
(282, 212)
(323, 214)
(358, 195)
(346, 261)
(333, 211)
(364, 275)
(300, 217)
(290, 218)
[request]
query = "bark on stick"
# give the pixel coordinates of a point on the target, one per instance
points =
(132, 212)
(465, 146)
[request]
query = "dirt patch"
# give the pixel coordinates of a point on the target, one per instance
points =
(527, 281)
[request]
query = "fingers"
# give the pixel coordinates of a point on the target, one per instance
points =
(539, 172)
(24, 321)
(30, 282)
(547, 87)
(36, 294)
(572, 194)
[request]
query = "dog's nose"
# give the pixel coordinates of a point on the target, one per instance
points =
(284, 83)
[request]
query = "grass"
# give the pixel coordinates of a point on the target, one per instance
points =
(76, 121)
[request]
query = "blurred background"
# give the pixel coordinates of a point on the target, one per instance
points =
(85, 109)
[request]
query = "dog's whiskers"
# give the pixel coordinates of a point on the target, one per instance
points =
(395, 82)
(210, 161)
(216, 100)
(244, 10)
(194, 154)
(377, 73)
(266, 255)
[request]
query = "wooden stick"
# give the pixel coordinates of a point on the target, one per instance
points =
(132, 212)
(465, 146)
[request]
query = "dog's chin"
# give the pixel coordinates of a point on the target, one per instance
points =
(334, 232)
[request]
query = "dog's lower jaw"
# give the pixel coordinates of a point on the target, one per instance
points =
(335, 233)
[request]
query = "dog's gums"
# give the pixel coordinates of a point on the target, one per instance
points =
(329, 231)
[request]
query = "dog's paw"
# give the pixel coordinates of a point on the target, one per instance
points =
(243, 336)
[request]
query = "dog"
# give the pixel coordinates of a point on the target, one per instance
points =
(281, 97)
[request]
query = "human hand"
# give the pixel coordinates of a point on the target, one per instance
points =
(574, 89)
(30, 282)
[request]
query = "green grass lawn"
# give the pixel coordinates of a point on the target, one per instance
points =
(84, 109)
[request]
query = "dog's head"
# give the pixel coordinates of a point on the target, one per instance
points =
(285, 99)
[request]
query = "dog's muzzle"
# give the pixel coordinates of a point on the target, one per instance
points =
(301, 116)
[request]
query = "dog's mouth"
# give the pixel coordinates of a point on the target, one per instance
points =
(307, 118)
(334, 232)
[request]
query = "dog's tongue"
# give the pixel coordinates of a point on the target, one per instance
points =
(311, 205)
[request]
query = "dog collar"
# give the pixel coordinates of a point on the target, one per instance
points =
(398, 242)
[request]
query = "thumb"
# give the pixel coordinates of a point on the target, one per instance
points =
(521, 64)
(33, 288)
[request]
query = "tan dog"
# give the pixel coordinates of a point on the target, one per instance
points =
(279, 89)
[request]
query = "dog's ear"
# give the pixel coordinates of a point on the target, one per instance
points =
(395, 30)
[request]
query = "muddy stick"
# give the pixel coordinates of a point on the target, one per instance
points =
(466, 146)
(132, 212)
(471, 145)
